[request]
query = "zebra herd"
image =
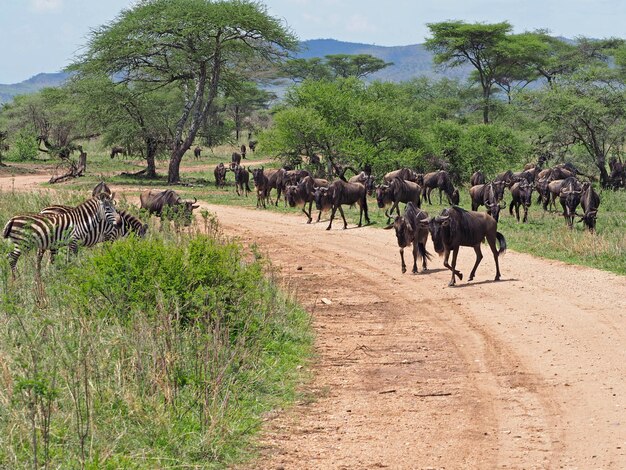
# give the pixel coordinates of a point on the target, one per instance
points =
(94, 221)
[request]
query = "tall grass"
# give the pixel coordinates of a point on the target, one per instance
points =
(151, 353)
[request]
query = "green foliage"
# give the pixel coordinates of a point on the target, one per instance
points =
(159, 350)
(24, 146)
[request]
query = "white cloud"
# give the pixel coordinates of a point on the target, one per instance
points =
(46, 5)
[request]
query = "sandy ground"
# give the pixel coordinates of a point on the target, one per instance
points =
(411, 374)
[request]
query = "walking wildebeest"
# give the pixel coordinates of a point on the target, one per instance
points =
(477, 178)
(456, 227)
(242, 179)
(344, 193)
(397, 191)
(252, 144)
(589, 201)
(410, 230)
(521, 193)
(197, 151)
(440, 180)
(261, 185)
(220, 175)
(486, 195)
(235, 158)
(243, 150)
(303, 193)
(569, 197)
(167, 203)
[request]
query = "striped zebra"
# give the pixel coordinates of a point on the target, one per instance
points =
(104, 231)
(51, 231)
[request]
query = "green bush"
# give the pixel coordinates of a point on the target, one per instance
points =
(24, 147)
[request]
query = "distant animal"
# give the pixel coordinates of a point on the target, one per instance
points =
(235, 158)
(589, 201)
(242, 180)
(304, 193)
(440, 180)
(410, 231)
(50, 231)
(168, 204)
(219, 174)
(405, 174)
(477, 178)
(117, 150)
(397, 191)
(521, 194)
(261, 185)
(243, 150)
(252, 145)
(569, 197)
(102, 188)
(456, 227)
(197, 151)
(366, 180)
(344, 193)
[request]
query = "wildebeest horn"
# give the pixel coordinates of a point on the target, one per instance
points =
(442, 217)
(388, 227)
(195, 199)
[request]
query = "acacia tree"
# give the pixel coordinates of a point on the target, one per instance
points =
(587, 110)
(457, 43)
(197, 45)
(333, 66)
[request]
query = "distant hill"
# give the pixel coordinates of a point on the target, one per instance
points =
(33, 84)
(409, 62)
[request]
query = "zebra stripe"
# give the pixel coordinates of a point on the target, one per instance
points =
(50, 231)
(105, 231)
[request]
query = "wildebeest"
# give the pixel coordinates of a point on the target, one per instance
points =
(235, 158)
(440, 180)
(521, 193)
(397, 191)
(220, 175)
(486, 195)
(102, 188)
(506, 177)
(589, 201)
(569, 197)
(117, 150)
(303, 193)
(456, 227)
(477, 178)
(405, 174)
(168, 203)
(252, 144)
(197, 151)
(344, 193)
(554, 190)
(242, 180)
(366, 180)
(410, 230)
(243, 150)
(261, 185)
(323, 201)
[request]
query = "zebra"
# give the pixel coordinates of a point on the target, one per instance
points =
(49, 231)
(104, 231)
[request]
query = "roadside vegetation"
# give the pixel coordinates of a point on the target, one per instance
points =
(155, 352)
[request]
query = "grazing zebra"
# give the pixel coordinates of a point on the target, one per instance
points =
(104, 231)
(50, 231)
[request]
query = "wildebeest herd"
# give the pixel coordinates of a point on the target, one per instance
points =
(97, 219)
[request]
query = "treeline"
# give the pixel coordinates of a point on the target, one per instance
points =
(189, 73)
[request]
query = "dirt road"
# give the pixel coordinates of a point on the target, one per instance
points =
(410, 374)
(523, 373)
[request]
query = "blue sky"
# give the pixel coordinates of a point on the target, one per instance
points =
(44, 35)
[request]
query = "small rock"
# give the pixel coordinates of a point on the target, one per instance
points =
(326, 301)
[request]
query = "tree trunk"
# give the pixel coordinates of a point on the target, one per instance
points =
(237, 124)
(173, 173)
(151, 150)
(605, 181)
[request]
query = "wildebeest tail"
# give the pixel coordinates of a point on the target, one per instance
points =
(7, 229)
(511, 208)
(423, 252)
(502, 242)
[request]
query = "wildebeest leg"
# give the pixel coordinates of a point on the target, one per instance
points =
(479, 257)
(309, 213)
(319, 216)
(415, 253)
(428, 194)
(402, 259)
(332, 216)
(525, 214)
(343, 216)
(453, 267)
(364, 209)
(492, 244)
